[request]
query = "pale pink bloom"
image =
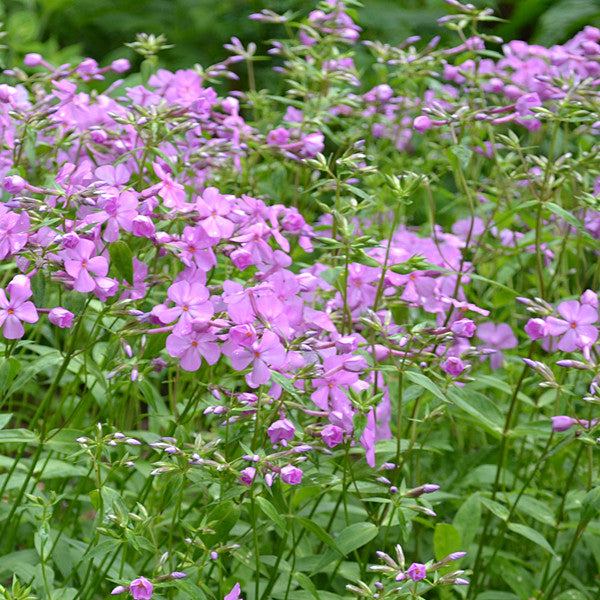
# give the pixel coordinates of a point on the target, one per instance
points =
(17, 309)
(141, 589)
(576, 325)
(80, 265)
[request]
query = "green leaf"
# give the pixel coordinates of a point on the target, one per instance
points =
(483, 411)
(495, 508)
(532, 535)
(359, 420)
(459, 156)
(355, 536)
(307, 584)
(425, 382)
(315, 528)
(18, 436)
(122, 257)
(38, 287)
(467, 520)
(4, 419)
(446, 539)
(221, 520)
(271, 512)
(590, 505)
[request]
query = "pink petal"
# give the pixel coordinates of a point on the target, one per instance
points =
(27, 312)
(13, 328)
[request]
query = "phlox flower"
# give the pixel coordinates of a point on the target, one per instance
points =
(268, 352)
(81, 265)
(417, 571)
(193, 345)
(291, 475)
(17, 309)
(281, 430)
(213, 208)
(13, 231)
(141, 589)
(496, 337)
(191, 304)
(234, 594)
(575, 327)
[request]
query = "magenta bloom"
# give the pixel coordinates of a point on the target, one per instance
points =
(247, 476)
(141, 589)
(562, 423)
(191, 304)
(332, 435)
(234, 594)
(417, 571)
(61, 317)
(496, 337)
(281, 430)
(291, 474)
(576, 325)
(267, 352)
(17, 309)
(192, 346)
(80, 265)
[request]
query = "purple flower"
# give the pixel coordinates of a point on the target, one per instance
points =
(80, 264)
(234, 594)
(463, 328)
(453, 365)
(536, 329)
(17, 309)
(496, 337)
(332, 435)
(562, 423)
(417, 571)
(282, 429)
(247, 476)
(576, 325)
(141, 589)
(61, 317)
(422, 124)
(291, 474)
(267, 352)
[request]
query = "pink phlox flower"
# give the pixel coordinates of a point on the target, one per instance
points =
(14, 229)
(234, 594)
(213, 207)
(242, 302)
(114, 176)
(291, 474)
(496, 337)
(17, 309)
(172, 192)
(193, 345)
(191, 304)
(141, 589)
(254, 241)
(81, 265)
(281, 430)
(268, 352)
(246, 478)
(118, 212)
(417, 571)
(196, 249)
(575, 327)
(362, 285)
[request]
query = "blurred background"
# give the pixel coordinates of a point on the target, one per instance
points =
(69, 30)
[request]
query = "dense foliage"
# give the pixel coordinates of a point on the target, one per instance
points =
(325, 340)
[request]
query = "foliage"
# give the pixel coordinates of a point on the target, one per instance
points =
(323, 340)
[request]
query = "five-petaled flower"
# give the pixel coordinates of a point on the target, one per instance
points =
(17, 309)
